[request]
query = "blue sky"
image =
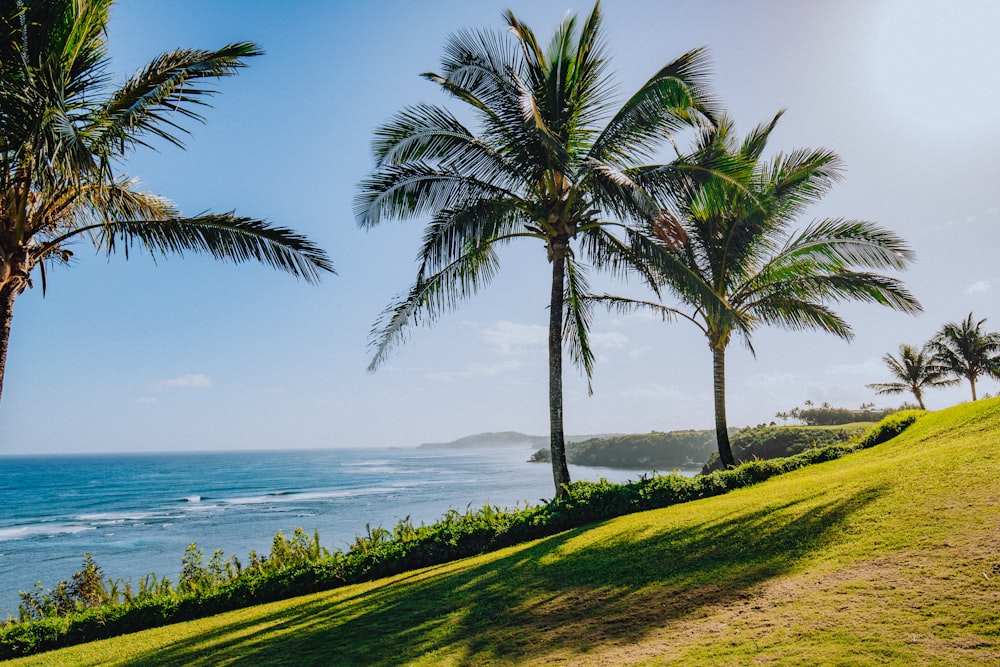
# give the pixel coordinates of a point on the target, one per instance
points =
(187, 353)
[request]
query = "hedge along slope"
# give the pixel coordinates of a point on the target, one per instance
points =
(381, 553)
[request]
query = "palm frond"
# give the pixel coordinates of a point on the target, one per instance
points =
(801, 314)
(838, 243)
(675, 96)
(169, 85)
(756, 141)
(416, 188)
(224, 236)
(429, 297)
(576, 324)
(453, 232)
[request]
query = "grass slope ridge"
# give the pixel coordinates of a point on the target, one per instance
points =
(886, 556)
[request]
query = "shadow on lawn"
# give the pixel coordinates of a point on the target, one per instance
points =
(573, 598)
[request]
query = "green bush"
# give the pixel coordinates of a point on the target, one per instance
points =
(651, 451)
(300, 565)
(770, 442)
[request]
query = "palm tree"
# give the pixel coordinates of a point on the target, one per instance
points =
(740, 244)
(548, 164)
(966, 351)
(63, 132)
(914, 371)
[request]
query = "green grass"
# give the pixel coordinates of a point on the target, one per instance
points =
(887, 556)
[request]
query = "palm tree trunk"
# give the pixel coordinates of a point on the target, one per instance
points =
(557, 441)
(719, 385)
(972, 383)
(7, 295)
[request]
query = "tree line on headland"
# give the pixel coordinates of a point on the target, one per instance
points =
(712, 232)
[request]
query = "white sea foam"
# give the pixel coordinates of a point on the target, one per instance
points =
(291, 497)
(113, 517)
(41, 530)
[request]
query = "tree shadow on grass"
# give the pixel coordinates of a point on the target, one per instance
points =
(567, 593)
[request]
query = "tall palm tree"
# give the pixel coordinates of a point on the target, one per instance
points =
(64, 130)
(965, 350)
(914, 371)
(740, 243)
(549, 163)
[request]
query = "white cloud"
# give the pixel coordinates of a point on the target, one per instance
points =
(636, 352)
(146, 400)
(657, 391)
(608, 341)
(510, 337)
(866, 368)
(979, 287)
(770, 381)
(476, 370)
(189, 381)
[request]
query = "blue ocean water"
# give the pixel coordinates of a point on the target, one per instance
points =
(137, 513)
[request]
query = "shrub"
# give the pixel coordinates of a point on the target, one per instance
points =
(769, 442)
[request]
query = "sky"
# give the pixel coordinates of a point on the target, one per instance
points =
(191, 354)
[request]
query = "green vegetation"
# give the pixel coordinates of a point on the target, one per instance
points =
(828, 415)
(873, 559)
(300, 565)
(771, 442)
(647, 451)
(966, 351)
(64, 131)
(752, 268)
(555, 160)
(914, 371)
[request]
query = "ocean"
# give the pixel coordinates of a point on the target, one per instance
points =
(137, 513)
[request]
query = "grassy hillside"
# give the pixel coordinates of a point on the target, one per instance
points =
(888, 556)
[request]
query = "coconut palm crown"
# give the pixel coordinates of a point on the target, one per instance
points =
(967, 351)
(64, 131)
(552, 161)
(741, 244)
(915, 370)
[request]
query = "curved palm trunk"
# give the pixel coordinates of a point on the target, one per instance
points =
(719, 385)
(7, 295)
(920, 397)
(972, 383)
(557, 442)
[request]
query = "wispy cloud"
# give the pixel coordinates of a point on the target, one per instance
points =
(866, 368)
(636, 352)
(979, 287)
(608, 341)
(189, 381)
(510, 337)
(657, 391)
(772, 380)
(476, 370)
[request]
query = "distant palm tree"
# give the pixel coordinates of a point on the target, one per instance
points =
(740, 245)
(548, 164)
(966, 351)
(63, 131)
(914, 370)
